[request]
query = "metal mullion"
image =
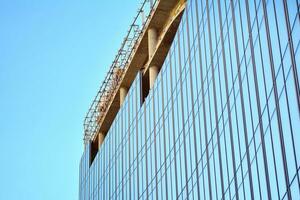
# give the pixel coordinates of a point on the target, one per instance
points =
(168, 120)
(257, 94)
(146, 153)
(266, 96)
(186, 70)
(128, 137)
(214, 90)
(228, 95)
(192, 100)
(201, 80)
(157, 132)
(109, 169)
(226, 87)
(215, 96)
(249, 97)
(285, 90)
(137, 106)
(278, 112)
(298, 10)
(117, 155)
(104, 176)
(177, 115)
(292, 53)
(241, 94)
(173, 125)
(150, 140)
(182, 110)
(204, 112)
(164, 136)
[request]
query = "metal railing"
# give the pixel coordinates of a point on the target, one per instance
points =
(109, 86)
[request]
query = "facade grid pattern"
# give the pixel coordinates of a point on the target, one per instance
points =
(222, 120)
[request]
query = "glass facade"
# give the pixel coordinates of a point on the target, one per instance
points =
(223, 118)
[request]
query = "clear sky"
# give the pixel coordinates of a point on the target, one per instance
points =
(53, 56)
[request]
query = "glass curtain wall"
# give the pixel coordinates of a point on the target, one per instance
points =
(223, 118)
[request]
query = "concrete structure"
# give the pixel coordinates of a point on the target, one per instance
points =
(152, 41)
(150, 49)
(100, 139)
(123, 93)
(153, 72)
(152, 44)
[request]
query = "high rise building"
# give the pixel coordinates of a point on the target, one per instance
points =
(201, 102)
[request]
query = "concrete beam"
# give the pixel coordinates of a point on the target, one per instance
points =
(161, 19)
(165, 40)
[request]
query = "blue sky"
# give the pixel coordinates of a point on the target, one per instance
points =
(53, 57)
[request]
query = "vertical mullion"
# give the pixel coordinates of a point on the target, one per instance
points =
(138, 90)
(270, 116)
(285, 91)
(204, 112)
(210, 66)
(164, 135)
(146, 153)
(128, 131)
(220, 39)
(192, 100)
(292, 53)
(201, 89)
(278, 114)
(173, 125)
(182, 111)
(258, 101)
(226, 85)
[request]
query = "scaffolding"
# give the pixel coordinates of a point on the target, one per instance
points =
(112, 81)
